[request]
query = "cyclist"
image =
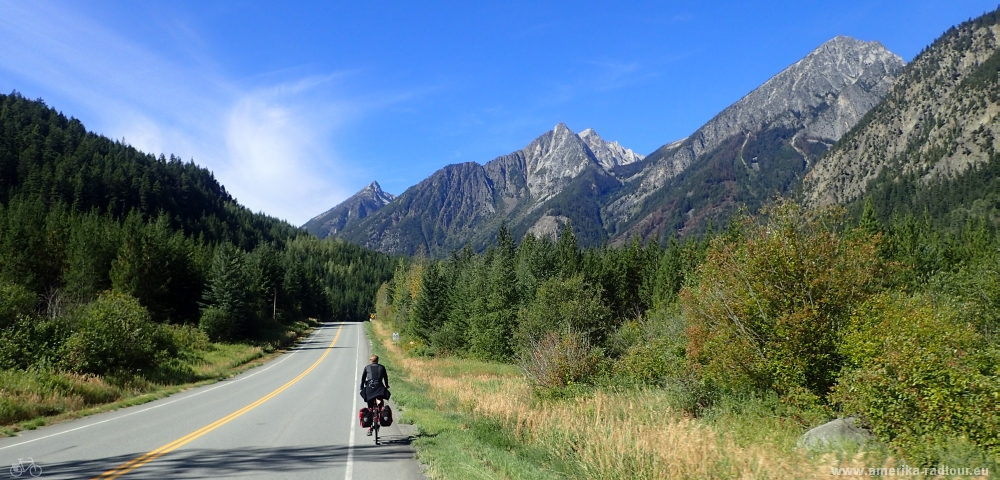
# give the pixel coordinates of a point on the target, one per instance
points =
(374, 385)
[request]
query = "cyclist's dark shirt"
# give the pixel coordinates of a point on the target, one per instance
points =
(374, 382)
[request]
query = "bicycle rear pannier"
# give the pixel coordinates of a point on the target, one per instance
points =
(365, 415)
(386, 418)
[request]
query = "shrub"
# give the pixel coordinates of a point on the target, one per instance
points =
(651, 363)
(31, 341)
(561, 359)
(217, 323)
(977, 285)
(114, 334)
(564, 305)
(773, 297)
(651, 350)
(920, 376)
(15, 301)
(187, 337)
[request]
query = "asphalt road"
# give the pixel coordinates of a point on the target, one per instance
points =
(294, 417)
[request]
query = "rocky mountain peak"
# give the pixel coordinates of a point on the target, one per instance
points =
(375, 192)
(351, 211)
(844, 77)
(822, 95)
(553, 159)
(803, 110)
(608, 154)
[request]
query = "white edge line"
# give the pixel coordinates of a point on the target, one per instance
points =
(349, 470)
(162, 404)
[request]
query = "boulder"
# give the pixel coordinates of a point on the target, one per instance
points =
(839, 432)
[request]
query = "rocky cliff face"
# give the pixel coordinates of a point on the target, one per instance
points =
(938, 119)
(799, 112)
(369, 200)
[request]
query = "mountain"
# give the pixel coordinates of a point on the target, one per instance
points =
(556, 178)
(350, 211)
(761, 145)
(938, 123)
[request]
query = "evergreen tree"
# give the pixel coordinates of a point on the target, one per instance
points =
(568, 252)
(491, 331)
(431, 304)
(228, 296)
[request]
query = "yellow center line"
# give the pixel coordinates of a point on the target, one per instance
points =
(180, 442)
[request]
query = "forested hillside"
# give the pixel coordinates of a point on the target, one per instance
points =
(82, 214)
(112, 260)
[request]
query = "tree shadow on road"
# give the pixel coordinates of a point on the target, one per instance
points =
(213, 463)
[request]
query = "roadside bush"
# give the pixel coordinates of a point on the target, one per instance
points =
(187, 337)
(561, 359)
(651, 349)
(564, 305)
(31, 341)
(773, 297)
(217, 323)
(921, 376)
(651, 363)
(114, 334)
(15, 301)
(977, 286)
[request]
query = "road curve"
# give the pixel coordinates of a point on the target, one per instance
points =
(294, 417)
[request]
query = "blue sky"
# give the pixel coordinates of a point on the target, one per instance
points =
(297, 105)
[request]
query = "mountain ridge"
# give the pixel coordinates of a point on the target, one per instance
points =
(470, 200)
(761, 145)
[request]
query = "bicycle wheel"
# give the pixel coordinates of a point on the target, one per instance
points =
(35, 470)
(16, 470)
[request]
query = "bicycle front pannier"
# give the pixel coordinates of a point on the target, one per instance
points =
(386, 419)
(365, 415)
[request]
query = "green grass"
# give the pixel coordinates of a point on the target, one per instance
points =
(458, 444)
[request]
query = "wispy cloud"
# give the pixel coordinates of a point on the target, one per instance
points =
(614, 75)
(269, 143)
(278, 149)
(598, 76)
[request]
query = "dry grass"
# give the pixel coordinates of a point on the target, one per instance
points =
(37, 397)
(26, 395)
(612, 435)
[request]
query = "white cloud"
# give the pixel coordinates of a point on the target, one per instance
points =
(278, 155)
(268, 144)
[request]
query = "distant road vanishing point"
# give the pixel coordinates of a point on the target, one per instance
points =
(294, 417)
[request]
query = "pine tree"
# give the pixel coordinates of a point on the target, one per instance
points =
(568, 252)
(491, 338)
(869, 220)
